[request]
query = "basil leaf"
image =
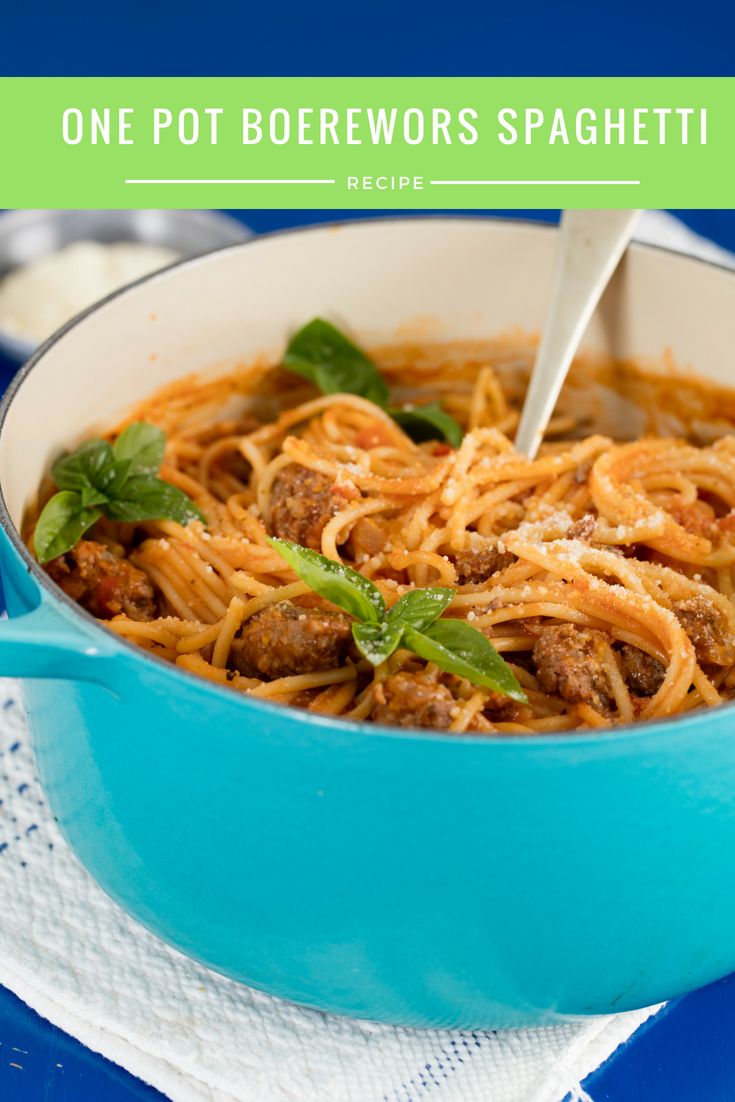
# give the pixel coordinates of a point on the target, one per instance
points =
(143, 446)
(91, 466)
(333, 580)
(89, 497)
(63, 521)
(146, 498)
(376, 642)
(118, 477)
(428, 422)
(456, 647)
(420, 607)
(117, 482)
(320, 353)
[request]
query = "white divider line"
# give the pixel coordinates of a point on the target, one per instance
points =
(533, 183)
(230, 181)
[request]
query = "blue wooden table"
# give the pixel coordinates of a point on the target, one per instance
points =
(685, 1054)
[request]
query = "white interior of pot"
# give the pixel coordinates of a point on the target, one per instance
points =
(429, 278)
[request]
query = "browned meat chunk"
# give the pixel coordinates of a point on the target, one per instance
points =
(103, 583)
(284, 640)
(570, 662)
(476, 565)
(707, 630)
(582, 529)
(499, 708)
(367, 538)
(643, 674)
(302, 501)
(413, 700)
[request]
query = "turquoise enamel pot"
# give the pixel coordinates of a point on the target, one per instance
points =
(416, 878)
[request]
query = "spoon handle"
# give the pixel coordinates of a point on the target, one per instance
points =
(591, 242)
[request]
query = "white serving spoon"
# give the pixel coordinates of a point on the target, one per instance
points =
(591, 242)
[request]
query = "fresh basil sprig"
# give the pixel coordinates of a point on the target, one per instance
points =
(117, 481)
(326, 357)
(413, 622)
(333, 581)
(427, 423)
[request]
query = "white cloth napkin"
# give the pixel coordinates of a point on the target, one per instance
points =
(76, 958)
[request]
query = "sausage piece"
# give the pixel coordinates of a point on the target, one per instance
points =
(705, 626)
(284, 640)
(103, 583)
(413, 700)
(476, 565)
(642, 673)
(570, 662)
(582, 529)
(302, 501)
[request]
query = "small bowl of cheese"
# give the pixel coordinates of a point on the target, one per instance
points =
(56, 263)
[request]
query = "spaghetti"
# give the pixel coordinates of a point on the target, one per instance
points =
(602, 571)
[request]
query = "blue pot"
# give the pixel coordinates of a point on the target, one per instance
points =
(418, 878)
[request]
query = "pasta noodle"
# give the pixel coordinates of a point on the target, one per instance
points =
(602, 571)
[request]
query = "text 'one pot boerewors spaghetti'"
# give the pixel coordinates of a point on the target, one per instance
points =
(368, 544)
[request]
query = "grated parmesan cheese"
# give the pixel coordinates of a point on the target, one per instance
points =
(38, 298)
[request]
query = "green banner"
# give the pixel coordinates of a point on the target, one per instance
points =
(366, 142)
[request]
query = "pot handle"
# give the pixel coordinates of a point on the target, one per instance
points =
(43, 644)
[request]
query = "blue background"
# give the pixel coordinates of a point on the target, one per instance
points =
(382, 37)
(719, 225)
(688, 1052)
